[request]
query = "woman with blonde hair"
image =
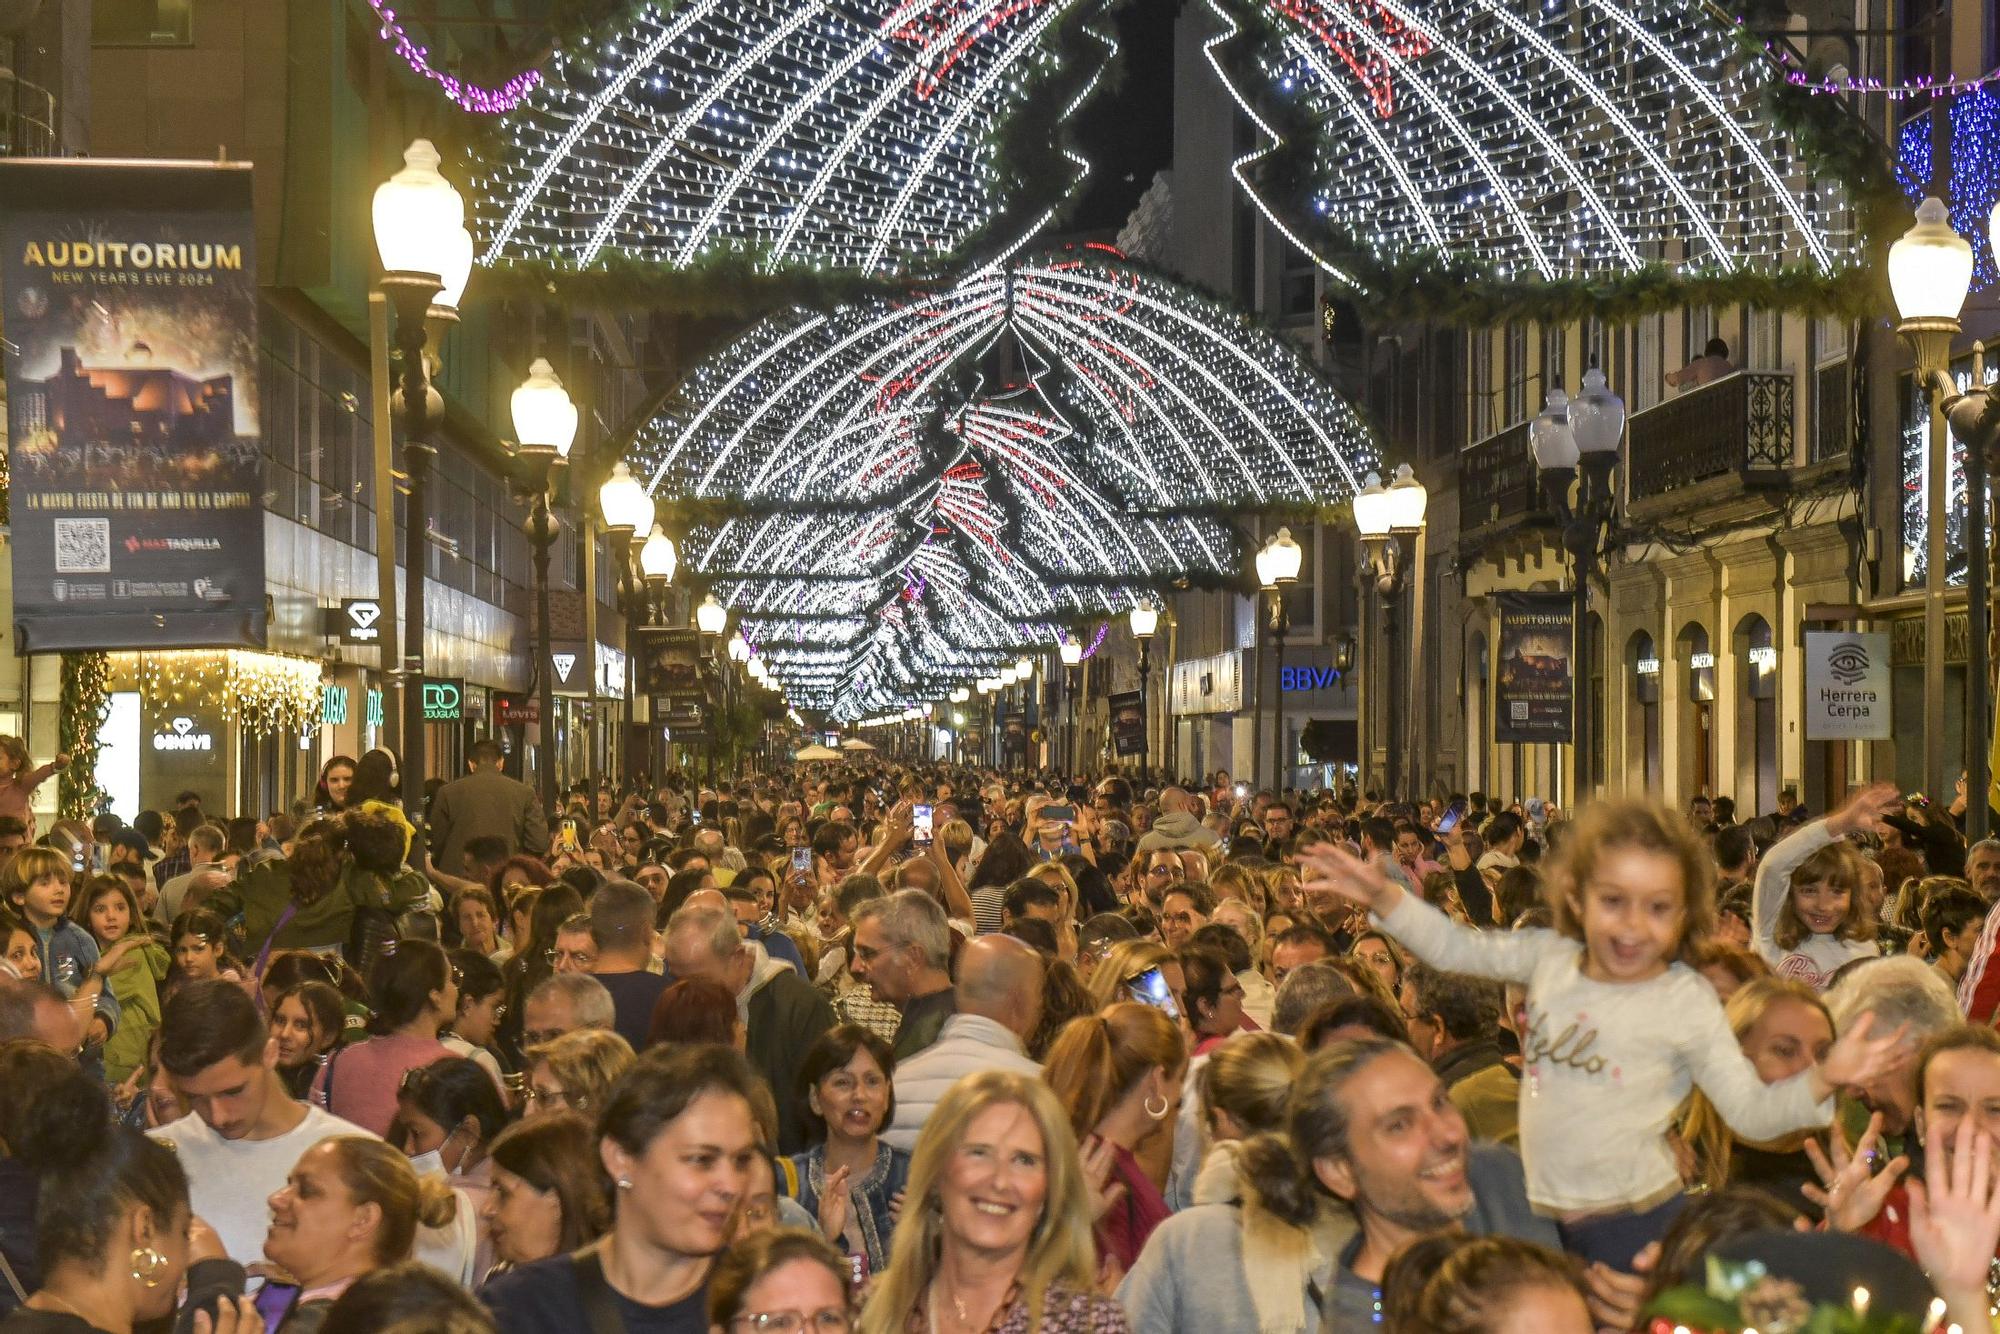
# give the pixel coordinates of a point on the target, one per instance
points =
(1233, 880)
(350, 1205)
(575, 1072)
(1783, 1026)
(1110, 981)
(996, 1230)
(1118, 1076)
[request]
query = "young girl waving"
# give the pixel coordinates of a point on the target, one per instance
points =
(1810, 916)
(1620, 1027)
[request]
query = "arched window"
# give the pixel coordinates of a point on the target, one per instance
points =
(1756, 717)
(1695, 662)
(1642, 720)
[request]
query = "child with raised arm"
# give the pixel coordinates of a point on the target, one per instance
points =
(1620, 1026)
(1810, 915)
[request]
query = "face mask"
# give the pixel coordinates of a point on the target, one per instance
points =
(429, 1164)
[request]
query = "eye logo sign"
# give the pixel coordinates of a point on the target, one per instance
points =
(1848, 663)
(565, 663)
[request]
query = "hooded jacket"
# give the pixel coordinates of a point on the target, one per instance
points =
(136, 984)
(1177, 829)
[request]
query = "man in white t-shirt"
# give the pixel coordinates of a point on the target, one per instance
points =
(245, 1132)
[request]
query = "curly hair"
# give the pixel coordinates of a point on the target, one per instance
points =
(1642, 825)
(1445, 1283)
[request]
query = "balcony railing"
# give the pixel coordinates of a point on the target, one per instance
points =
(1740, 425)
(27, 118)
(1497, 480)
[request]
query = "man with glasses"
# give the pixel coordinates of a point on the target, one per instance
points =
(902, 947)
(575, 951)
(563, 1004)
(1158, 870)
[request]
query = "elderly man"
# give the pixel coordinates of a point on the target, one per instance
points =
(563, 1004)
(782, 1013)
(902, 948)
(1900, 991)
(1177, 825)
(999, 1005)
(1982, 869)
(1369, 1122)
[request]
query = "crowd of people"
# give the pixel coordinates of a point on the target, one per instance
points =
(909, 1048)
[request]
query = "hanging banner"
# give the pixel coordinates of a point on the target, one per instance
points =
(1014, 734)
(130, 293)
(1128, 722)
(1847, 686)
(1534, 691)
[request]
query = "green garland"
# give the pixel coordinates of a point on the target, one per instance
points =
(81, 709)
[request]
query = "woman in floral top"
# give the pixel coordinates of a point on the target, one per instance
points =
(849, 1180)
(995, 1236)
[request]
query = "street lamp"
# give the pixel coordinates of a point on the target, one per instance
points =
(1930, 271)
(1572, 438)
(1069, 651)
(1387, 518)
(711, 617)
(657, 562)
(1145, 621)
(426, 256)
(545, 422)
(1278, 569)
(739, 648)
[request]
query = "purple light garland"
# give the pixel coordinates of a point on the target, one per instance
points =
(482, 101)
(1098, 642)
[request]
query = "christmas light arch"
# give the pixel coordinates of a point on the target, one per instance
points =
(939, 484)
(1523, 143)
(882, 137)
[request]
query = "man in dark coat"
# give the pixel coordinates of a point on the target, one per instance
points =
(485, 803)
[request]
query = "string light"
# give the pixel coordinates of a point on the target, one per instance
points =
(481, 101)
(265, 693)
(1569, 141)
(789, 133)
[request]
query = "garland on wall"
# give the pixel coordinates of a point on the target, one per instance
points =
(82, 706)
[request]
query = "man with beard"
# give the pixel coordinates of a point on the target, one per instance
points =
(1903, 992)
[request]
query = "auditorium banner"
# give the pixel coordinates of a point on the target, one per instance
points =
(130, 311)
(1128, 723)
(1533, 695)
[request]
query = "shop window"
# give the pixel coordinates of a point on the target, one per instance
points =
(142, 23)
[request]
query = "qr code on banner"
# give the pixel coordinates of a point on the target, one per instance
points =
(83, 546)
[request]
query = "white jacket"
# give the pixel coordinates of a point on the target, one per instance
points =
(967, 1044)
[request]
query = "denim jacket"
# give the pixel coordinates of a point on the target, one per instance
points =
(875, 1191)
(68, 954)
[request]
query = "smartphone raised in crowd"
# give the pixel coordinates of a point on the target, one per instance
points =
(920, 825)
(1150, 988)
(1058, 814)
(1451, 817)
(802, 859)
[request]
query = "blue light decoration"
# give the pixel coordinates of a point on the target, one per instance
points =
(1521, 142)
(942, 484)
(1975, 175)
(1915, 158)
(869, 136)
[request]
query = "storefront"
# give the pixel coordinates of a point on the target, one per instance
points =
(1321, 739)
(239, 728)
(1204, 697)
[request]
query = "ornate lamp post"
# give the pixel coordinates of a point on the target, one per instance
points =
(1278, 569)
(1930, 271)
(1145, 621)
(627, 511)
(545, 420)
(1571, 438)
(426, 254)
(1070, 651)
(1387, 517)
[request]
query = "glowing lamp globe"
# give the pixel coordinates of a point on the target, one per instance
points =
(544, 418)
(739, 648)
(1930, 267)
(657, 558)
(626, 507)
(1407, 501)
(1278, 562)
(457, 256)
(1145, 619)
(1070, 651)
(1550, 439)
(1024, 669)
(419, 218)
(1596, 416)
(960, 695)
(711, 617)
(1371, 509)
(1008, 676)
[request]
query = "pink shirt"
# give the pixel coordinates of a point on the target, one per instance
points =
(16, 792)
(364, 1078)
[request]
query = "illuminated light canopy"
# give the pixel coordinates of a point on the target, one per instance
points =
(795, 135)
(1512, 143)
(940, 487)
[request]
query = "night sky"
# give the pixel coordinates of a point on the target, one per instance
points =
(1127, 131)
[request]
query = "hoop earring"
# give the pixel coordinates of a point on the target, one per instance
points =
(1160, 1115)
(147, 1265)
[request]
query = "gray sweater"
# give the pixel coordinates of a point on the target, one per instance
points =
(1190, 1279)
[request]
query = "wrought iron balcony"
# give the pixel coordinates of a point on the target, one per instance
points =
(27, 117)
(1497, 482)
(1741, 425)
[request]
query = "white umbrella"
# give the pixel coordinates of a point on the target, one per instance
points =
(817, 753)
(855, 743)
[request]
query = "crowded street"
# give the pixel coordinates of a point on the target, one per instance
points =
(999, 667)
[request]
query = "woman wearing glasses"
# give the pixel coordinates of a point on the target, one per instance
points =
(781, 1282)
(575, 1072)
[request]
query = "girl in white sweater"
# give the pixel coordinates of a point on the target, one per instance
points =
(1811, 914)
(1620, 1026)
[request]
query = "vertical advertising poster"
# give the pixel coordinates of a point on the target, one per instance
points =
(1534, 693)
(1848, 691)
(1128, 723)
(1014, 735)
(130, 293)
